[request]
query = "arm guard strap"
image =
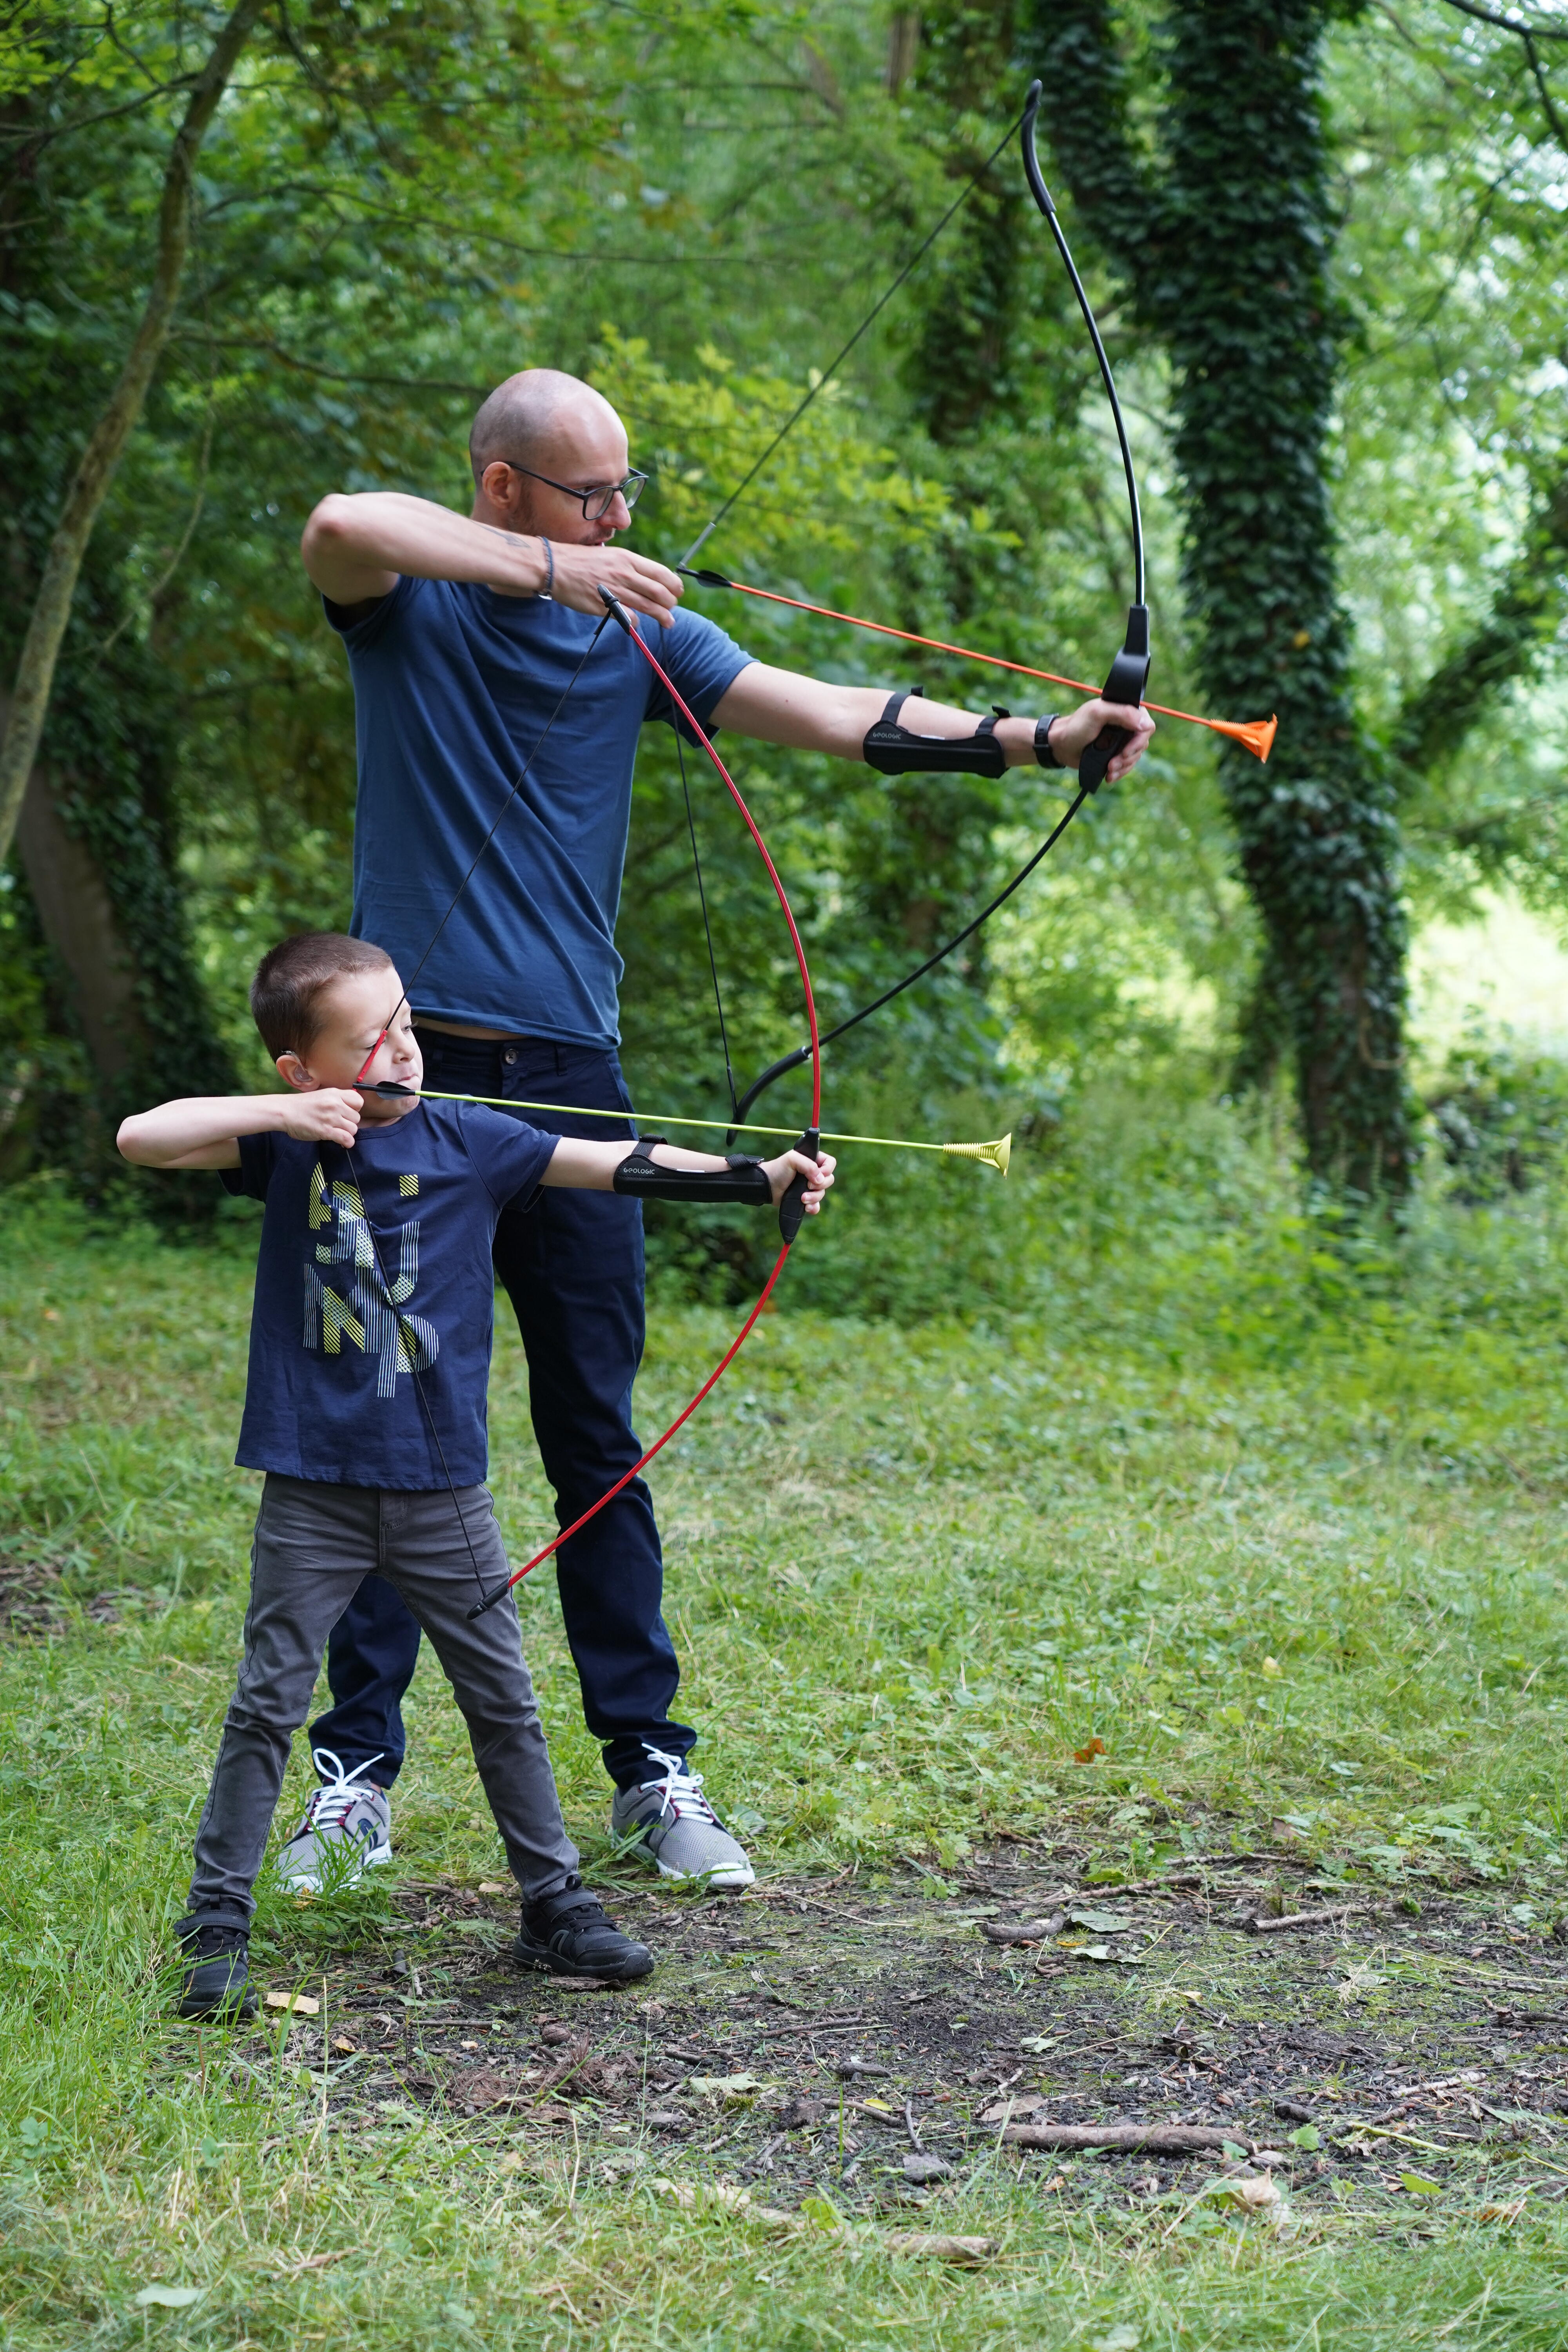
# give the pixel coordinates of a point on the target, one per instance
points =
(895, 750)
(742, 1178)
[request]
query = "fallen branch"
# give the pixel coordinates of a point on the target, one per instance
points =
(1167, 2139)
(1263, 1924)
(1023, 1931)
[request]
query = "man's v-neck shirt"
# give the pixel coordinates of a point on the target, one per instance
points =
(455, 687)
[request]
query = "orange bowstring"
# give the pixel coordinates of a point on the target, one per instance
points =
(1256, 734)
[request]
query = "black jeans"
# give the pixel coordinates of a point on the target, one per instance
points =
(573, 1268)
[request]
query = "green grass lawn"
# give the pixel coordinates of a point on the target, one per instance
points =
(1283, 1525)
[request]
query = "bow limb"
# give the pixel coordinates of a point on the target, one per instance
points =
(1129, 670)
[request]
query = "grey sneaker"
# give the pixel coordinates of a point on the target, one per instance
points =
(681, 1833)
(346, 1830)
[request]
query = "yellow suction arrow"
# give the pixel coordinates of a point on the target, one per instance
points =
(990, 1155)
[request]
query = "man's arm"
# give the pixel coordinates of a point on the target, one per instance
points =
(203, 1130)
(356, 546)
(779, 706)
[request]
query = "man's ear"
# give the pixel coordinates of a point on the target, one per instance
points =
(505, 492)
(294, 1073)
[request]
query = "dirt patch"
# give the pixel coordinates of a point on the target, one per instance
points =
(32, 1605)
(881, 2045)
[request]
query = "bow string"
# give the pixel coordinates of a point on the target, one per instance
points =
(791, 1210)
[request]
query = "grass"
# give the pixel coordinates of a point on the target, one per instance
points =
(1278, 1519)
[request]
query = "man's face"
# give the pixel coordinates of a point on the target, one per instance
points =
(355, 1009)
(586, 450)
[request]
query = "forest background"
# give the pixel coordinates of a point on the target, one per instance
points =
(1335, 314)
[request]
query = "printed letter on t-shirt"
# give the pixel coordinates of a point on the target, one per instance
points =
(370, 1314)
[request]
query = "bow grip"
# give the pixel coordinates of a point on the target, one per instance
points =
(792, 1208)
(1129, 676)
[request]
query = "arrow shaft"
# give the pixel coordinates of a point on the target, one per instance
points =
(941, 645)
(676, 1118)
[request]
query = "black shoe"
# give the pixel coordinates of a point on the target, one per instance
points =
(569, 1934)
(217, 1965)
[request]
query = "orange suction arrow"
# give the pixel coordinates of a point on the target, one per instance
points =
(1257, 734)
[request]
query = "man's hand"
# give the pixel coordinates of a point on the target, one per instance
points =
(639, 583)
(1072, 734)
(325, 1115)
(781, 1172)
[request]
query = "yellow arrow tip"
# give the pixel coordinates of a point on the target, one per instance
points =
(990, 1155)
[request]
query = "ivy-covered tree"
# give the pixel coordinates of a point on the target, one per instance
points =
(1203, 176)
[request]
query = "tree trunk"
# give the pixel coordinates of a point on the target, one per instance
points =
(77, 917)
(96, 470)
(1224, 252)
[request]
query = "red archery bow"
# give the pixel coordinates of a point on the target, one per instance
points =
(808, 1141)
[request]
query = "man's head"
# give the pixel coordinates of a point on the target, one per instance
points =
(320, 1001)
(544, 423)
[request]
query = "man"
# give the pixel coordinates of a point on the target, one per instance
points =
(463, 636)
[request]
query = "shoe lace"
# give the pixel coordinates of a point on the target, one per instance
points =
(333, 1803)
(210, 1942)
(679, 1791)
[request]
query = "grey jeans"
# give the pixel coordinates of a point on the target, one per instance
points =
(313, 1545)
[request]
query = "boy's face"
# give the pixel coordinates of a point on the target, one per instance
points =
(354, 1010)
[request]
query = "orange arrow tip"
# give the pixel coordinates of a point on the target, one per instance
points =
(1257, 734)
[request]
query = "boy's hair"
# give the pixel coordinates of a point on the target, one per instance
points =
(292, 979)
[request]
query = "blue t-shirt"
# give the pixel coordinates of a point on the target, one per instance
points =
(345, 1308)
(453, 688)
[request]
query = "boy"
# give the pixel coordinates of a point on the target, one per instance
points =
(364, 1406)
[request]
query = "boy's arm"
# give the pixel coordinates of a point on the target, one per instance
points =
(203, 1130)
(591, 1167)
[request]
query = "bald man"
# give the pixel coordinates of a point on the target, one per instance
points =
(462, 633)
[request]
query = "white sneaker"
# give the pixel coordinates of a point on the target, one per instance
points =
(681, 1832)
(346, 1830)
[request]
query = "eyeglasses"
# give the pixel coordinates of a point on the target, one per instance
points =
(596, 503)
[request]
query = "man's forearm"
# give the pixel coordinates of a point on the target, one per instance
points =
(356, 546)
(780, 705)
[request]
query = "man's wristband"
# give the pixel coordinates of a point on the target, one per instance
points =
(1044, 755)
(547, 593)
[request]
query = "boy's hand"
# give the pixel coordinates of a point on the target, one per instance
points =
(818, 1173)
(326, 1115)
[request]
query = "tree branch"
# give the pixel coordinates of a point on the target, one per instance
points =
(101, 459)
(1507, 23)
(1524, 615)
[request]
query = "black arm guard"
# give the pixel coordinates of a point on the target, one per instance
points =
(895, 752)
(742, 1179)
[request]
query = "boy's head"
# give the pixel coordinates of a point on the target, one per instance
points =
(320, 1001)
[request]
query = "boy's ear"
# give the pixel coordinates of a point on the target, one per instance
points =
(294, 1073)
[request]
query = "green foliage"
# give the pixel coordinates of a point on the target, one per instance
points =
(394, 215)
(1500, 1115)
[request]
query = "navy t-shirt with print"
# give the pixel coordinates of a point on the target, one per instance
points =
(455, 687)
(370, 1264)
